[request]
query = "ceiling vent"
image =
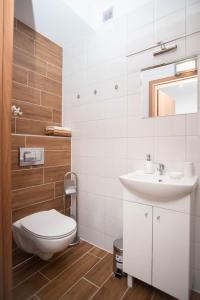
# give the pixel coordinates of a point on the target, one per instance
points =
(107, 14)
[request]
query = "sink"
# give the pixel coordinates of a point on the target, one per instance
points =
(158, 187)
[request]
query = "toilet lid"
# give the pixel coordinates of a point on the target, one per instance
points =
(49, 224)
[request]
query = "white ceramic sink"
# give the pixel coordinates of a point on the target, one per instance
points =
(158, 187)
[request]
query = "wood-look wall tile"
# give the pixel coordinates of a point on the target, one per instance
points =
(46, 84)
(56, 49)
(29, 287)
(51, 100)
(34, 112)
(59, 188)
(20, 75)
(49, 142)
(24, 93)
(26, 178)
(57, 158)
(57, 116)
(29, 62)
(46, 54)
(52, 174)
(23, 42)
(17, 141)
(33, 195)
(32, 127)
(57, 287)
(13, 123)
(47, 205)
(54, 72)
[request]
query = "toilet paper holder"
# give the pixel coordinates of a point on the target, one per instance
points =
(70, 183)
(71, 189)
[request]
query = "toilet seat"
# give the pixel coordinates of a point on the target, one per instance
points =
(49, 225)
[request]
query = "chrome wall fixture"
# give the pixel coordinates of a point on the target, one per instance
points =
(95, 92)
(164, 49)
(16, 111)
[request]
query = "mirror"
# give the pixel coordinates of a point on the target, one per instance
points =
(170, 89)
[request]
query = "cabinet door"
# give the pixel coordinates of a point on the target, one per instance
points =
(137, 239)
(171, 252)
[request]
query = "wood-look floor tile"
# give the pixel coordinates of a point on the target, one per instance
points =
(59, 286)
(29, 287)
(162, 296)
(101, 271)
(113, 289)
(25, 270)
(98, 252)
(54, 268)
(140, 291)
(19, 256)
(82, 290)
(195, 296)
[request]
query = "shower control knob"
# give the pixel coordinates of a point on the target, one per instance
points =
(116, 86)
(146, 214)
(95, 92)
(158, 217)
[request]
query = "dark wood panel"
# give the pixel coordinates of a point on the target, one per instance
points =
(46, 54)
(52, 174)
(17, 141)
(29, 287)
(20, 75)
(24, 93)
(113, 289)
(6, 53)
(57, 50)
(57, 158)
(34, 112)
(82, 290)
(52, 204)
(57, 287)
(51, 100)
(26, 178)
(23, 42)
(67, 259)
(49, 143)
(101, 271)
(33, 195)
(29, 62)
(46, 84)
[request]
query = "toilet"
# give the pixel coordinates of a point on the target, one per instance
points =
(44, 233)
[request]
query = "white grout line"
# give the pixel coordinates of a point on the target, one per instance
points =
(105, 281)
(90, 282)
(126, 291)
(43, 275)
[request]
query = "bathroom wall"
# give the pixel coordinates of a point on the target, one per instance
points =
(37, 89)
(109, 136)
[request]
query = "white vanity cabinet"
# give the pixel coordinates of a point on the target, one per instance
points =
(157, 247)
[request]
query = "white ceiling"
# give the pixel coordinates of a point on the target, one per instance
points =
(65, 20)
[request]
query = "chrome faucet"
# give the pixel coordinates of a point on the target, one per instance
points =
(161, 168)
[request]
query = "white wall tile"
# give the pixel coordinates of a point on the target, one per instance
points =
(192, 18)
(170, 148)
(170, 126)
(164, 8)
(171, 27)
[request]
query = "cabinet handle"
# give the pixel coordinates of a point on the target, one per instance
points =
(146, 214)
(158, 217)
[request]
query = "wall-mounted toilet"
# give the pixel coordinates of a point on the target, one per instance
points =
(44, 233)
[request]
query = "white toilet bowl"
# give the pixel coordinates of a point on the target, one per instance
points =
(44, 233)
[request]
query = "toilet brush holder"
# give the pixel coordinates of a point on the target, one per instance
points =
(71, 189)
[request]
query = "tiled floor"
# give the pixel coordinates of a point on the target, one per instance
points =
(79, 273)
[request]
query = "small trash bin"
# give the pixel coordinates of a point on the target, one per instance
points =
(118, 258)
